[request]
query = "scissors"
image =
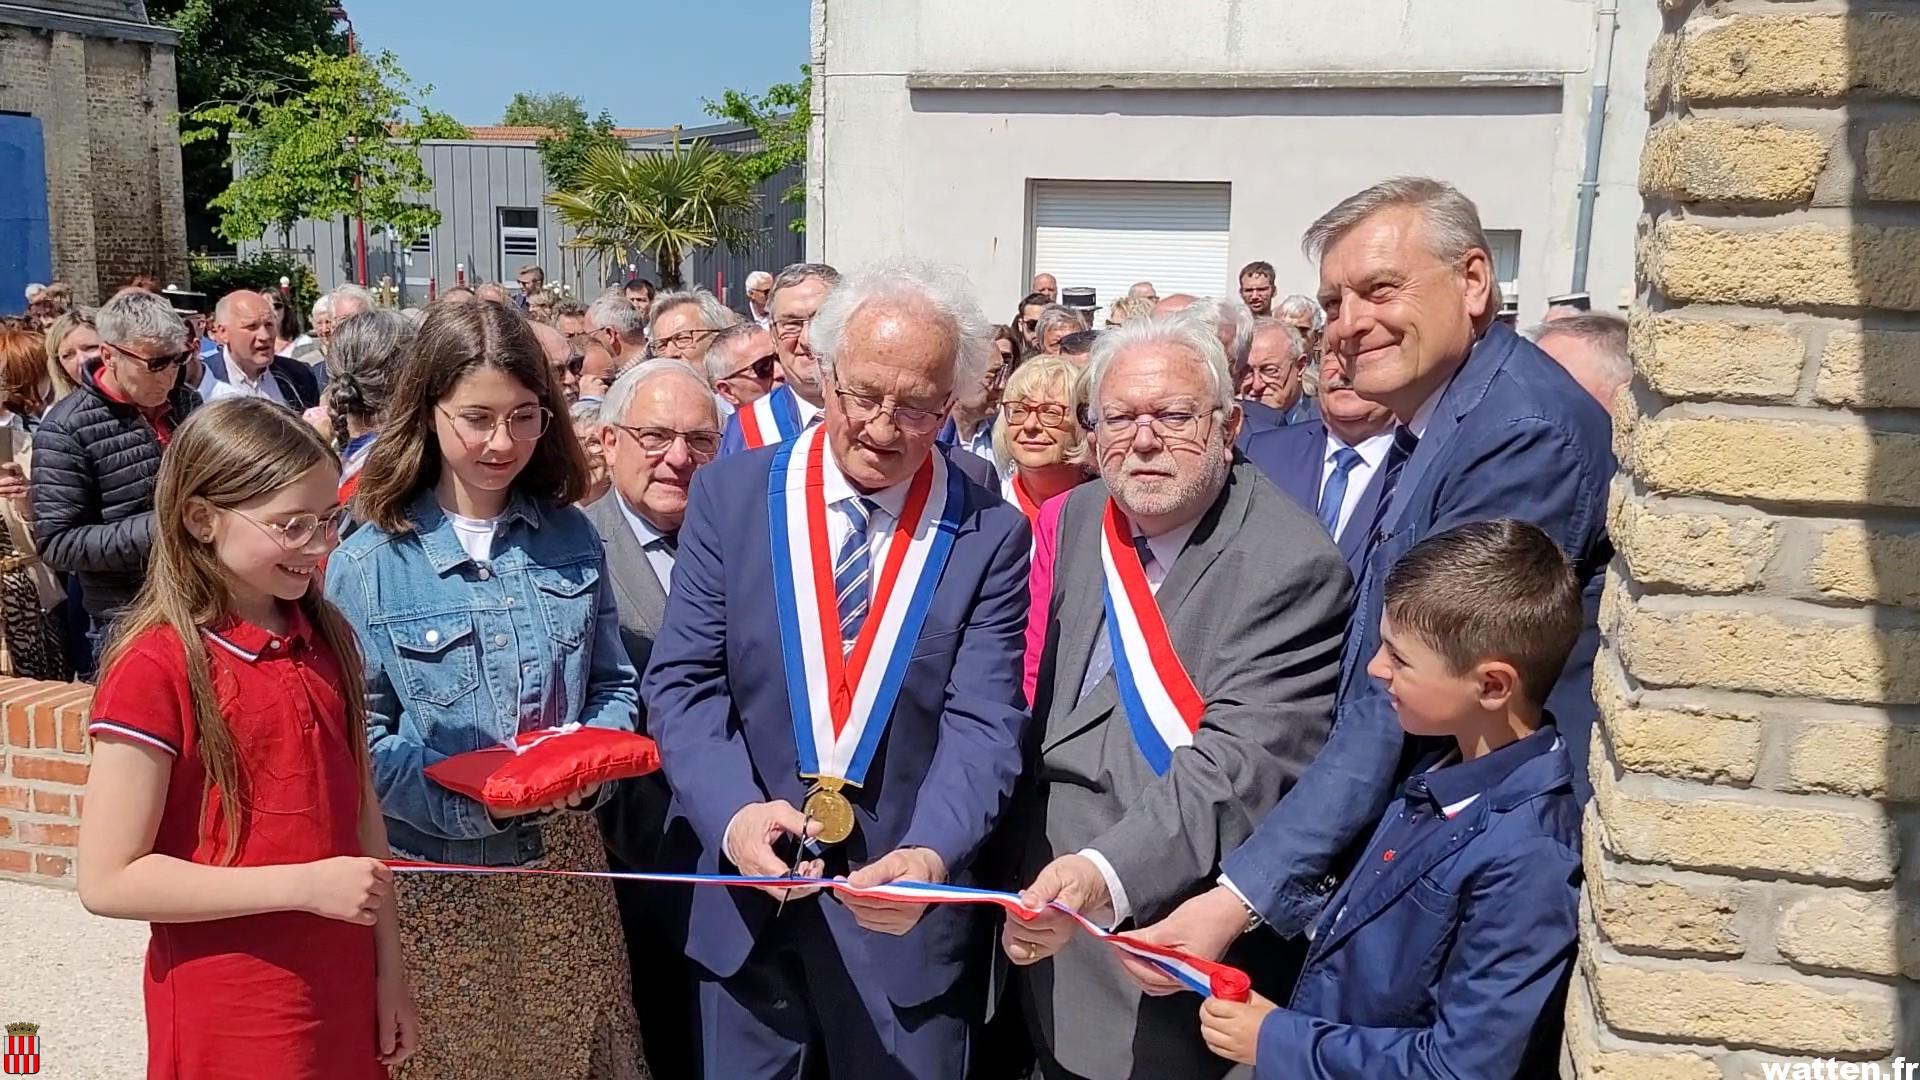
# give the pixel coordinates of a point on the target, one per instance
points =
(807, 847)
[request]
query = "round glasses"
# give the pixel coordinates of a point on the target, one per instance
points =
(523, 425)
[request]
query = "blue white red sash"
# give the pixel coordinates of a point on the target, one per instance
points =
(842, 699)
(1162, 707)
(764, 423)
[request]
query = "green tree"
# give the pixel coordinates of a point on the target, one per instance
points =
(563, 154)
(341, 137)
(550, 110)
(781, 117)
(662, 204)
(225, 47)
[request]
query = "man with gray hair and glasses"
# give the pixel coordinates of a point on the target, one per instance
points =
(615, 323)
(683, 324)
(1486, 427)
(96, 455)
(902, 782)
(798, 292)
(742, 364)
(1152, 762)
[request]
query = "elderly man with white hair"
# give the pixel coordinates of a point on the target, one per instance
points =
(895, 576)
(759, 294)
(1232, 321)
(1192, 653)
(682, 325)
(742, 364)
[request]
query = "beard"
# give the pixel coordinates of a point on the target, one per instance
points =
(1158, 496)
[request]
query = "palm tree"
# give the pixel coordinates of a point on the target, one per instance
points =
(663, 204)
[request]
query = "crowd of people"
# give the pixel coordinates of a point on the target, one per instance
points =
(1260, 627)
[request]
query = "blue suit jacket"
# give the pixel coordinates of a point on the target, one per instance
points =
(732, 442)
(716, 697)
(1448, 963)
(1294, 457)
(1255, 418)
(1513, 436)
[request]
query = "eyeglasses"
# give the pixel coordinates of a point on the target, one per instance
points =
(760, 369)
(1050, 414)
(523, 425)
(1170, 425)
(789, 326)
(683, 340)
(862, 409)
(154, 363)
(573, 363)
(299, 530)
(656, 441)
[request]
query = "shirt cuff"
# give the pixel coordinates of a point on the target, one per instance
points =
(1116, 892)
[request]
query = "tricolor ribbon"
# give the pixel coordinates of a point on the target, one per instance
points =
(1206, 977)
(1162, 707)
(764, 422)
(841, 699)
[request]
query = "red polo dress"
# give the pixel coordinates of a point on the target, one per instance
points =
(285, 994)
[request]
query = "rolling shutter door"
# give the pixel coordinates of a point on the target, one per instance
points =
(1110, 234)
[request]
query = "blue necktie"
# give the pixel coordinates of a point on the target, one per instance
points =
(1334, 495)
(851, 570)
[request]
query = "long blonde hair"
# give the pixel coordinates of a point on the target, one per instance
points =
(228, 453)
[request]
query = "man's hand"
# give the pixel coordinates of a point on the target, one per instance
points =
(1203, 926)
(750, 839)
(901, 864)
(1071, 880)
(1232, 1028)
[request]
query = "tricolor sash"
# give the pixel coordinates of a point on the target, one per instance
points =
(1162, 707)
(764, 423)
(842, 699)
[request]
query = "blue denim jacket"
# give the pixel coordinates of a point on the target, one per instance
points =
(461, 656)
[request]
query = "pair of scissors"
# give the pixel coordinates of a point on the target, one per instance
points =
(806, 847)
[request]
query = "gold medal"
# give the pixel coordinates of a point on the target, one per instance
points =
(832, 810)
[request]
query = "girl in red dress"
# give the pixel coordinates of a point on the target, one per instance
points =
(230, 803)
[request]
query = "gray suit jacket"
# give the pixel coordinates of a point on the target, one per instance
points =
(631, 820)
(1256, 607)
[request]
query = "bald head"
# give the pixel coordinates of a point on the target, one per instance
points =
(1173, 305)
(559, 355)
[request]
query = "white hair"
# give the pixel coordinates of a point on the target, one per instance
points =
(1056, 315)
(619, 396)
(1296, 341)
(613, 312)
(714, 315)
(1177, 332)
(1305, 308)
(350, 291)
(1215, 313)
(138, 317)
(323, 306)
(908, 284)
(1452, 220)
(759, 279)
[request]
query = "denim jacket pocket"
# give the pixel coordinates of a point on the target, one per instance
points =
(569, 599)
(436, 658)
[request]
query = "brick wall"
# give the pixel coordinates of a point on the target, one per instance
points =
(43, 772)
(1750, 895)
(106, 109)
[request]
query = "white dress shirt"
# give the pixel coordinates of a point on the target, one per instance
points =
(1373, 452)
(807, 411)
(659, 556)
(1166, 548)
(238, 385)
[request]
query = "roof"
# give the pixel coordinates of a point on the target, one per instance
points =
(125, 20)
(505, 133)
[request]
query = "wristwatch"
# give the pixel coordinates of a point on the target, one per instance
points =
(1254, 918)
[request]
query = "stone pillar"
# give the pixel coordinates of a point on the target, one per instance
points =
(1748, 895)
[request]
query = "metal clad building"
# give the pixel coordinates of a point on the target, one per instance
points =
(491, 192)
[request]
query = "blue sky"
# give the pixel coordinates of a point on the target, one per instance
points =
(648, 62)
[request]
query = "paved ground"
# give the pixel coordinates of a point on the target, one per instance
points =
(76, 976)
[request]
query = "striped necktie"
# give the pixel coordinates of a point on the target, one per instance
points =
(852, 569)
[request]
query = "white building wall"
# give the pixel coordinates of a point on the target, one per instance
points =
(936, 116)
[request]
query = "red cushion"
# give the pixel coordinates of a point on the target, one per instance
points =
(545, 766)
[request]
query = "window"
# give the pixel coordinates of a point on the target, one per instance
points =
(1506, 263)
(1110, 234)
(519, 241)
(423, 247)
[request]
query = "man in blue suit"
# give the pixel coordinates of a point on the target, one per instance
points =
(1334, 465)
(881, 715)
(798, 292)
(1488, 427)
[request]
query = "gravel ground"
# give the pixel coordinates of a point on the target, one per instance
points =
(76, 976)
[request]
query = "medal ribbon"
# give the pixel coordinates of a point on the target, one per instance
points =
(1200, 976)
(840, 699)
(1162, 707)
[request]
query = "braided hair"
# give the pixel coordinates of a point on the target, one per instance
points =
(368, 349)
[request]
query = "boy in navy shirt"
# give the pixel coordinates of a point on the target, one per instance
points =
(1446, 952)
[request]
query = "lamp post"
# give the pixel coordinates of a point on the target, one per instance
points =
(339, 13)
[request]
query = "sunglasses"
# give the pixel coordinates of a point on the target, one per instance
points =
(155, 363)
(759, 369)
(575, 362)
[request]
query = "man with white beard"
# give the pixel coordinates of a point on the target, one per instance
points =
(1193, 648)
